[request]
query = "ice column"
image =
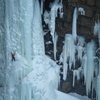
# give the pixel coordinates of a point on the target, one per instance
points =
(74, 22)
(38, 40)
(69, 51)
(26, 18)
(90, 65)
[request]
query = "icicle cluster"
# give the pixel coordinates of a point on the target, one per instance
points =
(50, 18)
(97, 32)
(68, 54)
(90, 66)
(53, 14)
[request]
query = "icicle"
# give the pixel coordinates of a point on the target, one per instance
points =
(46, 17)
(81, 10)
(97, 32)
(98, 88)
(84, 65)
(53, 14)
(81, 41)
(74, 22)
(69, 51)
(65, 65)
(80, 47)
(90, 66)
(61, 9)
(77, 74)
(55, 46)
(42, 6)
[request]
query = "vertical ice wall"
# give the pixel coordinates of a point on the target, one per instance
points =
(38, 84)
(2, 49)
(26, 17)
(38, 41)
(13, 26)
(18, 27)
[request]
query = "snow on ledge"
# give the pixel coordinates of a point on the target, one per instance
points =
(63, 96)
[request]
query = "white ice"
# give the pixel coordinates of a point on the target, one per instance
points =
(68, 54)
(74, 21)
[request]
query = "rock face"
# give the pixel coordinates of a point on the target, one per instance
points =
(85, 28)
(85, 23)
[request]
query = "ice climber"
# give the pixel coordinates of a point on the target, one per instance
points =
(13, 56)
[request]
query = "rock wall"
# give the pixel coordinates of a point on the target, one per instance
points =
(85, 27)
(85, 23)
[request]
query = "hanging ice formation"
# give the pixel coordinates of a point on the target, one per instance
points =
(53, 14)
(77, 75)
(97, 32)
(69, 49)
(80, 47)
(55, 45)
(68, 54)
(42, 2)
(74, 22)
(89, 66)
(50, 19)
(46, 16)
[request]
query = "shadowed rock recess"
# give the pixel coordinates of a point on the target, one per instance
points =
(85, 26)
